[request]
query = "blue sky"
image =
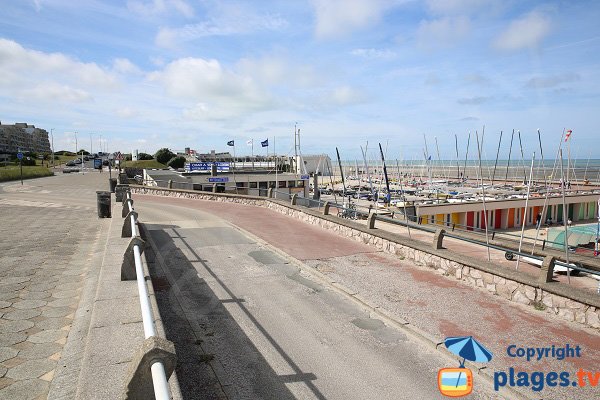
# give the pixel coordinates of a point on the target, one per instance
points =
(147, 74)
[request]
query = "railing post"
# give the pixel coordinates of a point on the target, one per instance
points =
(270, 193)
(128, 264)
(371, 221)
(154, 350)
(294, 198)
(326, 208)
(170, 184)
(127, 206)
(547, 270)
(438, 239)
(493, 234)
(126, 231)
(543, 244)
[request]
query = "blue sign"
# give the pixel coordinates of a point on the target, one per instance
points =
(220, 180)
(206, 166)
(304, 177)
(97, 163)
(20, 156)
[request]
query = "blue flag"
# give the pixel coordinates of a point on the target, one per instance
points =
(265, 143)
(230, 143)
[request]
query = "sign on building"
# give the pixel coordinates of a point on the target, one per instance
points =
(206, 166)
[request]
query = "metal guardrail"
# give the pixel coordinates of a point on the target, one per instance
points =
(159, 377)
(428, 228)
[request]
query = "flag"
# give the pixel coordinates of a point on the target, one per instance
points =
(249, 142)
(231, 143)
(568, 135)
(429, 158)
(265, 143)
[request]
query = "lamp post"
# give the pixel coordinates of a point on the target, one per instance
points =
(52, 142)
(91, 145)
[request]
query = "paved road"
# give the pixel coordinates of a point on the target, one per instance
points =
(50, 234)
(438, 305)
(263, 329)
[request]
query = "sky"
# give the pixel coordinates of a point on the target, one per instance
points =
(147, 74)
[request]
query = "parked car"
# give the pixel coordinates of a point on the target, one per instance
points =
(70, 163)
(105, 162)
(77, 161)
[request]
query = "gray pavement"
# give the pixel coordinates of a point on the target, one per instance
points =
(50, 242)
(410, 294)
(249, 324)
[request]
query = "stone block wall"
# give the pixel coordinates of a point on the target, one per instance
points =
(573, 305)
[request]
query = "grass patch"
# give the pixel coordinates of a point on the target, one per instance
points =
(538, 305)
(142, 164)
(13, 173)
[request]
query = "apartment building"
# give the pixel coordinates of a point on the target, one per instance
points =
(23, 137)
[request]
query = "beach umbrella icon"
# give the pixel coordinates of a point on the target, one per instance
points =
(467, 348)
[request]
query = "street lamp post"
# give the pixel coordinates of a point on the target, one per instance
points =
(52, 142)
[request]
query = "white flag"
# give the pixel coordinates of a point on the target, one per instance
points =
(249, 142)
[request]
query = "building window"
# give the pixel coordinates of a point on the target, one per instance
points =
(253, 185)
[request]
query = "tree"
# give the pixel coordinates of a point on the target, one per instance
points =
(176, 162)
(85, 153)
(164, 155)
(145, 156)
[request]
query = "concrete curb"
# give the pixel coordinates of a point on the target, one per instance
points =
(389, 318)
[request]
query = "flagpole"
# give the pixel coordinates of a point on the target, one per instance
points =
(233, 169)
(276, 176)
(252, 151)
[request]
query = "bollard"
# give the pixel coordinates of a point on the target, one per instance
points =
(128, 265)
(547, 270)
(112, 184)
(126, 230)
(120, 192)
(326, 208)
(103, 200)
(294, 199)
(125, 209)
(170, 184)
(371, 221)
(138, 378)
(438, 238)
(270, 193)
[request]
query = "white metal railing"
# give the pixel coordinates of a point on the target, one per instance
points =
(159, 377)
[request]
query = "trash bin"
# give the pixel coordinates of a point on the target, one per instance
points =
(103, 199)
(112, 184)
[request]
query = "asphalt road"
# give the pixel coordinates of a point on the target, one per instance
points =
(248, 324)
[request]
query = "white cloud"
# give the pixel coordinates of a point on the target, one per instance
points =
(545, 82)
(460, 7)
(214, 90)
(231, 22)
(525, 32)
(159, 7)
(277, 70)
(124, 66)
(336, 18)
(374, 53)
(50, 91)
(126, 112)
(345, 96)
(442, 32)
(50, 76)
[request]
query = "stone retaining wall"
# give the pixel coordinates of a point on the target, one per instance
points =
(568, 303)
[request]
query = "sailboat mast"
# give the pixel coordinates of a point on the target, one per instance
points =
(457, 159)
(512, 136)
(387, 182)
(341, 170)
(497, 154)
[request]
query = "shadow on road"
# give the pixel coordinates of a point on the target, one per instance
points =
(216, 359)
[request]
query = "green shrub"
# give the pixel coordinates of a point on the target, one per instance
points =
(176, 162)
(164, 155)
(144, 156)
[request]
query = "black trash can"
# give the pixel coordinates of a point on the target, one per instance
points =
(112, 184)
(103, 204)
